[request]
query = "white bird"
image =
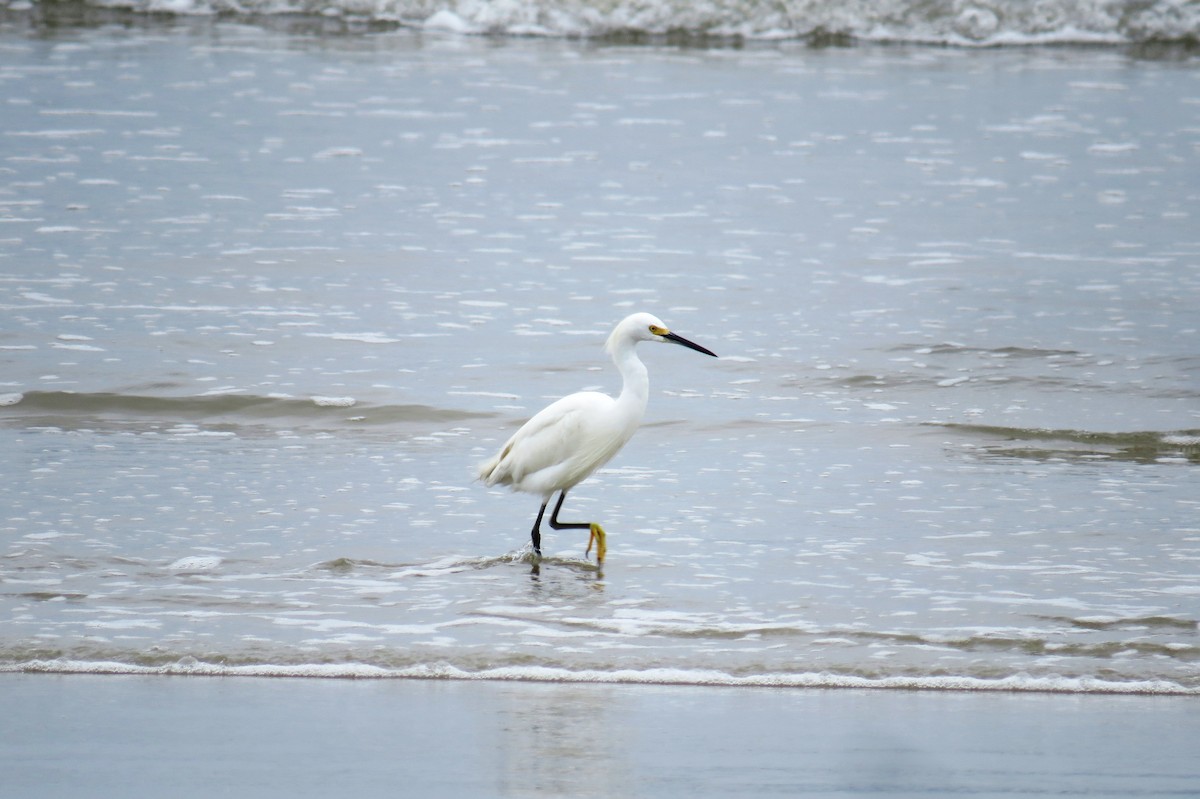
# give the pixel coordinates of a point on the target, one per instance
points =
(571, 438)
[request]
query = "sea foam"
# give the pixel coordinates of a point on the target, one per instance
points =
(981, 22)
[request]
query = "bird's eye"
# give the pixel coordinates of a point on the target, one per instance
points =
(658, 331)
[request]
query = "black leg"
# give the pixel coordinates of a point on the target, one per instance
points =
(536, 534)
(596, 531)
(557, 525)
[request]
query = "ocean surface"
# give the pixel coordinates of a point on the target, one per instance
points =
(270, 288)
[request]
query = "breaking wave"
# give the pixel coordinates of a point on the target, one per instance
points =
(1182, 446)
(957, 22)
(71, 410)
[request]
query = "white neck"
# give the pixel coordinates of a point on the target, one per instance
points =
(635, 388)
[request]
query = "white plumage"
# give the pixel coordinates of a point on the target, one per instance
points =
(571, 438)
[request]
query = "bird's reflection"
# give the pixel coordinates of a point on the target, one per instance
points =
(560, 740)
(584, 572)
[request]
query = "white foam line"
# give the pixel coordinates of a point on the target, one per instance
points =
(1014, 684)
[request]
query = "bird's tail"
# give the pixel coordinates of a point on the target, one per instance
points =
(486, 469)
(494, 470)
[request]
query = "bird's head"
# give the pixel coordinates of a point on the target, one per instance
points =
(647, 327)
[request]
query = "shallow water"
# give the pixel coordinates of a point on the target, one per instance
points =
(268, 297)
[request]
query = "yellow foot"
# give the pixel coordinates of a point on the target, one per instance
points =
(598, 536)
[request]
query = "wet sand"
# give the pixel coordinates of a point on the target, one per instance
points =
(155, 736)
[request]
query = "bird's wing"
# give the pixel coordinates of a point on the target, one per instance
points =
(559, 434)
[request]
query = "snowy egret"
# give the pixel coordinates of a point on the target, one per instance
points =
(571, 438)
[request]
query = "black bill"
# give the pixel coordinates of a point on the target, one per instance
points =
(690, 345)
